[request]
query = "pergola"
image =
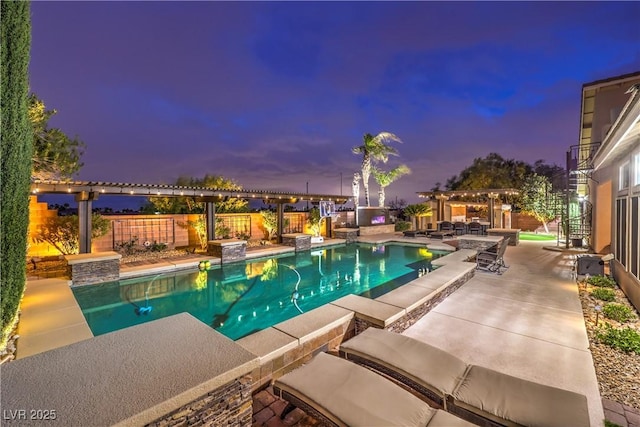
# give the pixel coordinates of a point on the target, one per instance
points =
(85, 192)
(492, 194)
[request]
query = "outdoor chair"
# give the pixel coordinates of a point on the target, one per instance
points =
(480, 395)
(492, 259)
(341, 393)
(460, 227)
(446, 226)
(475, 228)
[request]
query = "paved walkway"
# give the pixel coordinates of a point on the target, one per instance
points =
(527, 322)
(622, 415)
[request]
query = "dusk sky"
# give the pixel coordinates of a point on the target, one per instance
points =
(275, 94)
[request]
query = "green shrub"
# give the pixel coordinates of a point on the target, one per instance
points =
(402, 225)
(127, 247)
(16, 149)
(604, 294)
(157, 247)
(601, 281)
(626, 339)
(618, 312)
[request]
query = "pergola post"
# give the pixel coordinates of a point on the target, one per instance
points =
(280, 213)
(492, 205)
(210, 220)
(441, 201)
(84, 200)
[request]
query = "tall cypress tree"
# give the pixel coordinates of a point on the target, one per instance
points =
(16, 142)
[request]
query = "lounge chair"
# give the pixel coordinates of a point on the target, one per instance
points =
(414, 233)
(427, 369)
(479, 395)
(441, 234)
(492, 259)
(341, 393)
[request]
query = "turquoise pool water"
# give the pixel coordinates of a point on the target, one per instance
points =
(240, 298)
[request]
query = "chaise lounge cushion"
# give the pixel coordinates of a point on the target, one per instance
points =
(421, 363)
(501, 397)
(351, 395)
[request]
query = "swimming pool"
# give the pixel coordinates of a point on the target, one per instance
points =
(241, 298)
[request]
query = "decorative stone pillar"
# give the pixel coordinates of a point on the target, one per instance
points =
(228, 250)
(87, 269)
(348, 234)
(300, 241)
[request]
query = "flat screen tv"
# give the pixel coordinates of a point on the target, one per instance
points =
(378, 219)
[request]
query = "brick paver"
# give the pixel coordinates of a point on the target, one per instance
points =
(622, 415)
(269, 415)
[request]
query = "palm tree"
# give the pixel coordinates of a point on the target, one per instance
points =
(415, 212)
(384, 179)
(374, 148)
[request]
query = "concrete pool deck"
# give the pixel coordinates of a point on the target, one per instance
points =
(527, 322)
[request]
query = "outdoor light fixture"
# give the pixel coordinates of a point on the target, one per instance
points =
(598, 309)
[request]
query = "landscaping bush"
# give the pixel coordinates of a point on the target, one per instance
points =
(601, 281)
(128, 247)
(157, 247)
(604, 294)
(618, 312)
(16, 148)
(626, 339)
(402, 225)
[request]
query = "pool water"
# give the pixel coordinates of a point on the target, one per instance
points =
(241, 298)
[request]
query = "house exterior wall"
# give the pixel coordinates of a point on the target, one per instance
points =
(602, 102)
(603, 209)
(625, 227)
(617, 170)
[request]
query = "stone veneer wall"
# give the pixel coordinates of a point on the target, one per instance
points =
(88, 273)
(350, 235)
(227, 252)
(275, 368)
(403, 323)
(302, 242)
(512, 234)
(377, 229)
(229, 405)
(477, 244)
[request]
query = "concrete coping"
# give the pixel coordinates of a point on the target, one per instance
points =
(372, 311)
(93, 257)
(346, 230)
(504, 230)
(129, 377)
(227, 242)
(315, 323)
(472, 238)
(461, 255)
(297, 236)
(268, 344)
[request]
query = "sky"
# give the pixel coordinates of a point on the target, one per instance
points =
(274, 95)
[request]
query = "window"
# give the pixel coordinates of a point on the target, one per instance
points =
(621, 231)
(636, 169)
(623, 179)
(634, 249)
